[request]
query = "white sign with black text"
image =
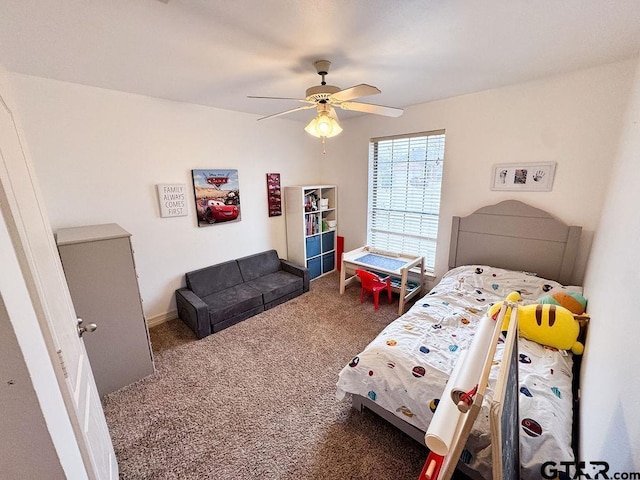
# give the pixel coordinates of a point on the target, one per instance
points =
(172, 199)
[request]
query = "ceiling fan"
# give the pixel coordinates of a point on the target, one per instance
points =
(325, 97)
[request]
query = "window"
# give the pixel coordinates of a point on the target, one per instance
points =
(405, 176)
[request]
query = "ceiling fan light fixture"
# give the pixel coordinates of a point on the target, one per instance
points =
(323, 125)
(325, 97)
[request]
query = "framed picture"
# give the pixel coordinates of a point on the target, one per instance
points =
(274, 196)
(217, 196)
(525, 177)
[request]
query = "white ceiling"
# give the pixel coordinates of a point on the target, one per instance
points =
(216, 52)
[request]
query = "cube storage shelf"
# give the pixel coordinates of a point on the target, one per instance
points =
(311, 241)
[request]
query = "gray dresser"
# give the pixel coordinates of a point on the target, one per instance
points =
(100, 270)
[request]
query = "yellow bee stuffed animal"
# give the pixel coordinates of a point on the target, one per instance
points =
(550, 325)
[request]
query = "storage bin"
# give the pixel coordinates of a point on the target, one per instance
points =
(328, 262)
(328, 241)
(313, 246)
(315, 267)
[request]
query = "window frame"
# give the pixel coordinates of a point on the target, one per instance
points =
(415, 210)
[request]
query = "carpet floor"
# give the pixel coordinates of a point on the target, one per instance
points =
(257, 400)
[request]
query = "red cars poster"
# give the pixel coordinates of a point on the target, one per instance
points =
(217, 196)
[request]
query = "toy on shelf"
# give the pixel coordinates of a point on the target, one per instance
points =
(311, 201)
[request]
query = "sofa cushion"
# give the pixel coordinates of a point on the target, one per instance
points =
(213, 279)
(259, 264)
(232, 301)
(276, 285)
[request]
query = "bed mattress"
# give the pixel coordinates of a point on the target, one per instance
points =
(406, 367)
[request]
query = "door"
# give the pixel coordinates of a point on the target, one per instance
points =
(32, 238)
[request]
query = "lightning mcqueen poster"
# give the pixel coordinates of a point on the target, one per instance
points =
(217, 196)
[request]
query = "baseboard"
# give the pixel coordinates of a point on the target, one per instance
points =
(163, 317)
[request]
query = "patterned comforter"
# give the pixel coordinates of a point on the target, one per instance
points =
(405, 368)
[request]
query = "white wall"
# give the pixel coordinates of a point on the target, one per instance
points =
(573, 119)
(610, 419)
(100, 153)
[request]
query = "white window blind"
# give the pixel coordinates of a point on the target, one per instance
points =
(405, 176)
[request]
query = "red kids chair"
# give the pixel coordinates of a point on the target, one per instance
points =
(374, 284)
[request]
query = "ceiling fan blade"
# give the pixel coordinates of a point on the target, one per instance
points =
(358, 91)
(282, 98)
(371, 108)
(288, 111)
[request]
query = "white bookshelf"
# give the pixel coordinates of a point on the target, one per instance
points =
(311, 241)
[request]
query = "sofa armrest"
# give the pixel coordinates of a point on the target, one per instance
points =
(193, 311)
(303, 272)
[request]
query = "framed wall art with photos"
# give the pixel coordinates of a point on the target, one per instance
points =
(524, 177)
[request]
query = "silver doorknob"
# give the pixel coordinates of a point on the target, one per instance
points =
(90, 327)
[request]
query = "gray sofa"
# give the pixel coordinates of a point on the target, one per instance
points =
(222, 295)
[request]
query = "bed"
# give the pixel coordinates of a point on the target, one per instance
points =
(402, 373)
